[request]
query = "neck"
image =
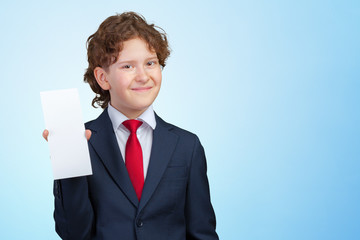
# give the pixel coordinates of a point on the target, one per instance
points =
(133, 115)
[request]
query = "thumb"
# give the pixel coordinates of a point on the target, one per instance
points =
(87, 134)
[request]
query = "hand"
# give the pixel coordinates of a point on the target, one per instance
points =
(45, 134)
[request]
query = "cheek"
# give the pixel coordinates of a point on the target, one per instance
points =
(122, 81)
(158, 77)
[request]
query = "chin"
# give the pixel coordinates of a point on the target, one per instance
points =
(141, 107)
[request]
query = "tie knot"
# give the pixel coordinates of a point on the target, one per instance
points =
(132, 125)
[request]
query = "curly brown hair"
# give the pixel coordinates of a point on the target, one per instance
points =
(104, 46)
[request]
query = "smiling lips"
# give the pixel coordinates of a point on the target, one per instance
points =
(141, 89)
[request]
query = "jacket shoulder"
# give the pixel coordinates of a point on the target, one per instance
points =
(88, 124)
(183, 133)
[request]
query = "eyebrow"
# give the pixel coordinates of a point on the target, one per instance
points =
(132, 61)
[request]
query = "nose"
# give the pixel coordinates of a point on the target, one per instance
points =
(141, 75)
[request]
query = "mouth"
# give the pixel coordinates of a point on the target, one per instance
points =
(141, 89)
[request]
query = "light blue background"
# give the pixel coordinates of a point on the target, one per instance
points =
(270, 87)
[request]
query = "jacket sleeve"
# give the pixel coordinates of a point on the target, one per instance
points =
(74, 216)
(200, 216)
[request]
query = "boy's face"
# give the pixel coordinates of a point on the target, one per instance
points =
(134, 80)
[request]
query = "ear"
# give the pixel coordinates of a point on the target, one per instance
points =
(100, 75)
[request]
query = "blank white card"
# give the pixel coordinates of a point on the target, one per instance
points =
(69, 150)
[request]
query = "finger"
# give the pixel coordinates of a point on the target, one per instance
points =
(87, 134)
(45, 134)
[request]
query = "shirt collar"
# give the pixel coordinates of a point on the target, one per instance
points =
(117, 118)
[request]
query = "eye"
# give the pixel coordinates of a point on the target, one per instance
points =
(151, 63)
(127, 66)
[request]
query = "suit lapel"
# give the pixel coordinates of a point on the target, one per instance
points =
(104, 141)
(164, 143)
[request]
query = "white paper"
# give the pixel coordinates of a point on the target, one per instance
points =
(69, 150)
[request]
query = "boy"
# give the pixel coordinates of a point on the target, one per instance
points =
(149, 177)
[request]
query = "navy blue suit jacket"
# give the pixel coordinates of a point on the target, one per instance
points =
(175, 202)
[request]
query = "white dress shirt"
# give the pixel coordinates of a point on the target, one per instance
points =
(144, 132)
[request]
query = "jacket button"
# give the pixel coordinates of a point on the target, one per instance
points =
(139, 223)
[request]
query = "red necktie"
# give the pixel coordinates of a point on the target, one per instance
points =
(134, 157)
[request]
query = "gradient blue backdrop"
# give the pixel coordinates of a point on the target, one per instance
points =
(270, 87)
